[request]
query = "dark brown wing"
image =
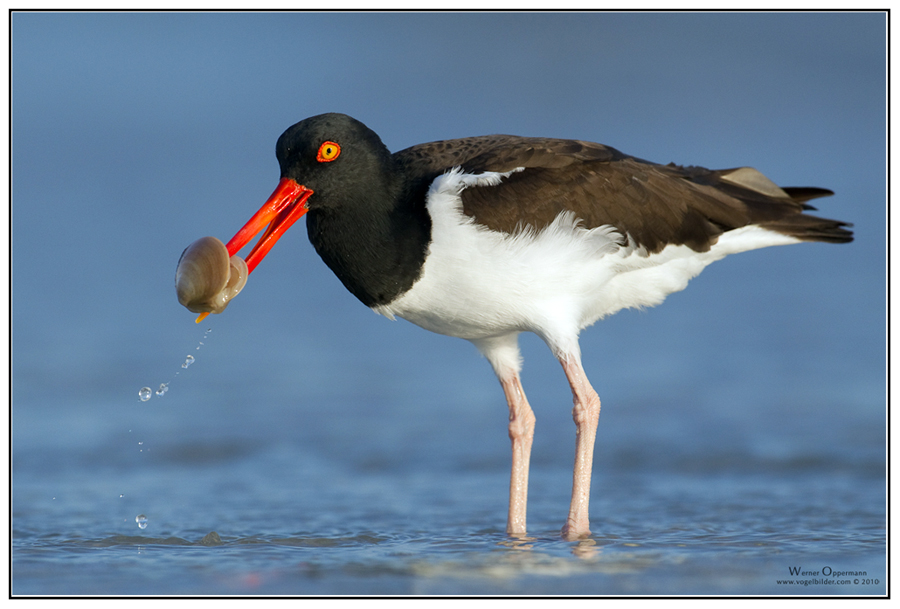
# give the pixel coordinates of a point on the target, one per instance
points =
(655, 205)
(499, 153)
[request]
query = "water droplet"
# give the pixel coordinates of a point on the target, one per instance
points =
(188, 361)
(163, 387)
(145, 394)
(141, 521)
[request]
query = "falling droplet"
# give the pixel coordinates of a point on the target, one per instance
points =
(163, 387)
(141, 521)
(188, 361)
(145, 394)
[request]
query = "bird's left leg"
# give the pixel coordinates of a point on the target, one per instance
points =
(586, 413)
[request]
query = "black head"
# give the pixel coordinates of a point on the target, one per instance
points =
(335, 156)
(338, 173)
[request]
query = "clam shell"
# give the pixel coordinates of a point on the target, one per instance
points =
(206, 279)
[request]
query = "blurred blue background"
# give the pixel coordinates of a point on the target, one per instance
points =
(134, 134)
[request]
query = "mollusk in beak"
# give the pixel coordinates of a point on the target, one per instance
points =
(206, 278)
(210, 273)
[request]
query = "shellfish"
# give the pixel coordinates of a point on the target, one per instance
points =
(206, 278)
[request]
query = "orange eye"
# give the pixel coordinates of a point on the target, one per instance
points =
(328, 152)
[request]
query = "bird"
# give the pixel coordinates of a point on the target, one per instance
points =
(486, 237)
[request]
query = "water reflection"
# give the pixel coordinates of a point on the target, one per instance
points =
(586, 548)
(518, 541)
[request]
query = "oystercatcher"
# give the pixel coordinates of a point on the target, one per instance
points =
(486, 237)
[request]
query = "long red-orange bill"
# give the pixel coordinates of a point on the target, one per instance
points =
(286, 205)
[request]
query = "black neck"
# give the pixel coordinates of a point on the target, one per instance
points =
(375, 246)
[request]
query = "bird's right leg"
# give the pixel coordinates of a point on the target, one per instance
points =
(503, 353)
(521, 434)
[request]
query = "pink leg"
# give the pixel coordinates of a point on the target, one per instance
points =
(521, 433)
(586, 414)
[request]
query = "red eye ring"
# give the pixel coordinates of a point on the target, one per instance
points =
(328, 151)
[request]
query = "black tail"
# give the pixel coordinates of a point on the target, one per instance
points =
(810, 228)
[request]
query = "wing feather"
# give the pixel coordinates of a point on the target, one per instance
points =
(654, 205)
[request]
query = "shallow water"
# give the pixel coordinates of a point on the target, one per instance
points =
(271, 492)
(421, 532)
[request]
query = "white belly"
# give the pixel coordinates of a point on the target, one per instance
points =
(477, 283)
